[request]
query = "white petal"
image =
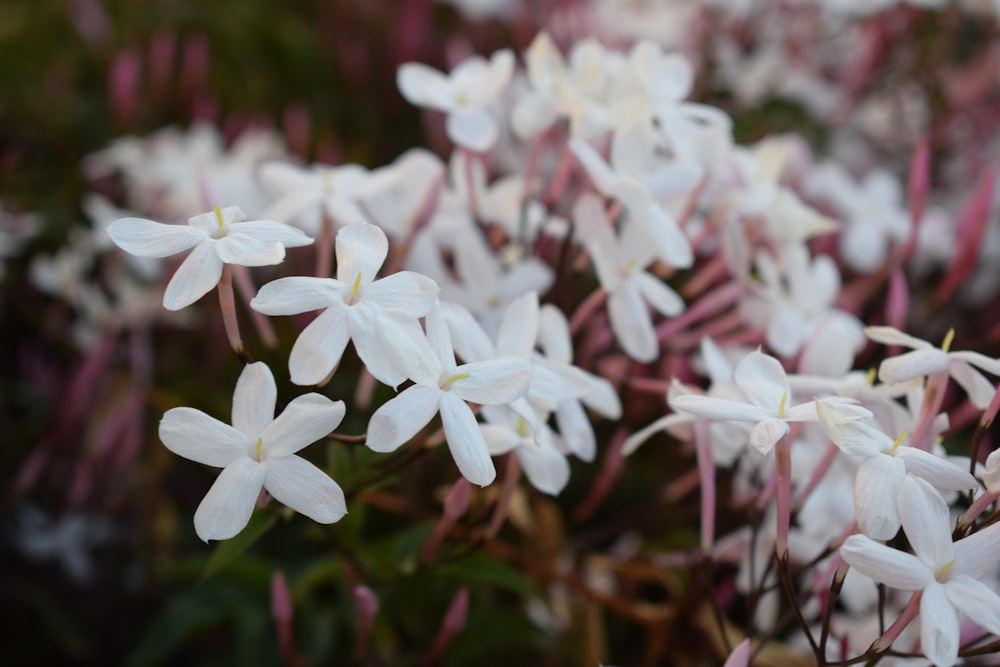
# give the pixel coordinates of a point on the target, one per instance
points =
(519, 327)
(553, 334)
(552, 384)
(474, 129)
(424, 86)
(885, 564)
(297, 294)
(786, 331)
(272, 231)
(631, 323)
(197, 275)
(248, 250)
(471, 342)
(145, 238)
(939, 630)
(604, 179)
(720, 371)
(976, 600)
(766, 434)
(439, 338)
(672, 246)
(304, 421)
(392, 346)
(400, 418)
(298, 484)
(718, 408)
(853, 434)
(941, 473)
(545, 467)
(500, 439)
(926, 522)
(663, 299)
(988, 364)
(977, 554)
(576, 430)
(253, 400)
(876, 496)
(915, 364)
(319, 347)
(979, 389)
(493, 382)
(361, 249)
(637, 439)
(227, 506)
(196, 436)
(603, 398)
(465, 441)
(410, 292)
(893, 336)
(762, 380)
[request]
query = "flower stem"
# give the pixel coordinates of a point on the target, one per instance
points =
(227, 303)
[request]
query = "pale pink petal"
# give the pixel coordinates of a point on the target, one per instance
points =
(196, 436)
(297, 483)
(146, 238)
(493, 382)
(319, 347)
(876, 494)
(227, 506)
(465, 440)
(304, 421)
(253, 400)
(939, 629)
(886, 565)
(400, 418)
(297, 294)
(361, 250)
(197, 275)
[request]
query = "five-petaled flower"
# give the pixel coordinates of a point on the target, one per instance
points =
(257, 451)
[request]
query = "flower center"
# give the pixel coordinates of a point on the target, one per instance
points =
(218, 218)
(355, 289)
(522, 428)
(782, 405)
(257, 448)
(454, 378)
(940, 574)
(948, 338)
(898, 442)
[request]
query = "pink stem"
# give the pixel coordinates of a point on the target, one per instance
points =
(706, 473)
(227, 303)
(241, 276)
(783, 479)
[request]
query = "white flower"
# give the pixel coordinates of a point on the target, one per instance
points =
(946, 572)
(925, 359)
(258, 450)
(305, 195)
(620, 264)
(543, 463)
(463, 94)
(765, 387)
(218, 237)
(380, 316)
(442, 386)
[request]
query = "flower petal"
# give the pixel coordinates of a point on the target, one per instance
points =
(400, 418)
(976, 600)
(939, 629)
(718, 408)
(576, 430)
(474, 129)
(306, 419)
(519, 327)
(941, 473)
(976, 555)
(272, 231)
(361, 250)
(319, 347)
(392, 346)
(893, 336)
(663, 299)
(253, 400)
(886, 565)
(227, 506)
(876, 494)
(298, 484)
(146, 238)
(631, 323)
(196, 436)
(766, 434)
(425, 86)
(979, 389)
(926, 522)
(762, 380)
(545, 467)
(915, 364)
(246, 250)
(465, 440)
(493, 382)
(500, 439)
(297, 294)
(197, 275)
(408, 291)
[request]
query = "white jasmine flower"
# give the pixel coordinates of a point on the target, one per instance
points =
(257, 451)
(464, 95)
(218, 237)
(543, 463)
(304, 196)
(443, 386)
(946, 572)
(925, 359)
(380, 316)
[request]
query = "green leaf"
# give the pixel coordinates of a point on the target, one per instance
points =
(229, 550)
(480, 567)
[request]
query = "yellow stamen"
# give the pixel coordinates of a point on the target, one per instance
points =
(948, 337)
(218, 217)
(944, 570)
(355, 289)
(898, 442)
(782, 405)
(522, 428)
(454, 378)
(870, 376)
(327, 181)
(629, 267)
(260, 444)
